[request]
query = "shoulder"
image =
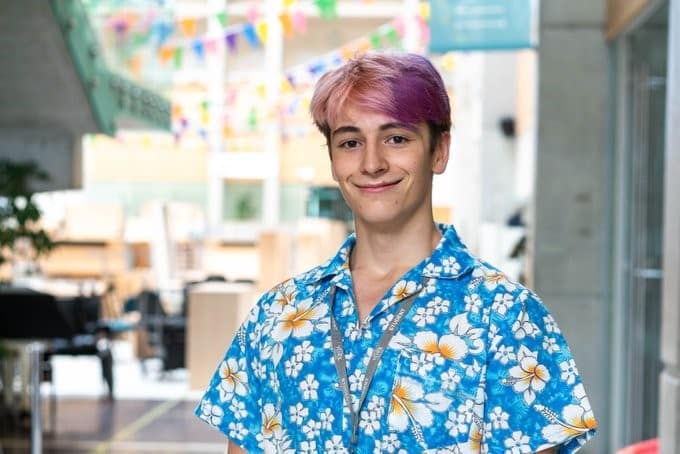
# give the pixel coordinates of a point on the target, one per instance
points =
(301, 285)
(289, 292)
(500, 299)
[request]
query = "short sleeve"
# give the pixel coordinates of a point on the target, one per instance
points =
(230, 404)
(534, 395)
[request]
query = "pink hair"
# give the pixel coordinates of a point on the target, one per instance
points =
(403, 86)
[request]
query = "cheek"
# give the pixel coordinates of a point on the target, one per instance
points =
(414, 165)
(341, 168)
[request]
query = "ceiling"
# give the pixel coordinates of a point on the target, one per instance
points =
(39, 85)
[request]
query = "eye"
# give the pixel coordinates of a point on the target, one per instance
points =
(349, 144)
(398, 140)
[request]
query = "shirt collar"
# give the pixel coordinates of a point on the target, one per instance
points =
(450, 259)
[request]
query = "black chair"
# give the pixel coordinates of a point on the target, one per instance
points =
(92, 337)
(66, 327)
(165, 334)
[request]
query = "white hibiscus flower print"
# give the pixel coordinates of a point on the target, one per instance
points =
(518, 443)
(574, 420)
(402, 289)
(234, 379)
(528, 377)
(334, 446)
(298, 321)
(502, 302)
(271, 421)
(492, 279)
(212, 414)
(448, 346)
(409, 406)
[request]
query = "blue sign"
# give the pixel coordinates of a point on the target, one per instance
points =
(483, 24)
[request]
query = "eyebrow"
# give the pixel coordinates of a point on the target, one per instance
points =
(383, 127)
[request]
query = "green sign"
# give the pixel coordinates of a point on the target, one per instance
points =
(483, 24)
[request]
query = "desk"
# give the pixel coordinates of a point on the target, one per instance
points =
(214, 313)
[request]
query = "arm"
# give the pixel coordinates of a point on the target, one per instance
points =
(547, 451)
(235, 449)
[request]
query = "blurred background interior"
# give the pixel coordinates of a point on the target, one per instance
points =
(159, 169)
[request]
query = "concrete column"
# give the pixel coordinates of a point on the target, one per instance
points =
(568, 235)
(669, 400)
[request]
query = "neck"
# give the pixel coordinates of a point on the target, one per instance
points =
(385, 251)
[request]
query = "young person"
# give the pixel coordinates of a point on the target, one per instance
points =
(403, 342)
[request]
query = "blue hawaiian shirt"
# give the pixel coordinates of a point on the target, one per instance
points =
(477, 365)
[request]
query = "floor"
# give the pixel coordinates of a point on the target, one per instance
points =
(152, 412)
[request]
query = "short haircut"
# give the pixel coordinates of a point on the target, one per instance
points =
(404, 86)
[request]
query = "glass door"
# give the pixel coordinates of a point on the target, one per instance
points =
(643, 255)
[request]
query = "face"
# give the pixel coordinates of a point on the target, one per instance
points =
(384, 168)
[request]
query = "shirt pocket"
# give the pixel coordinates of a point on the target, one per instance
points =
(436, 403)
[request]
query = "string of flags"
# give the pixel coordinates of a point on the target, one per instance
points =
(174, 37)
(248, 117)
(246, 111)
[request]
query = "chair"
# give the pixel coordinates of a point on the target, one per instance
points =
(67, 327)
(92, 337)
(164, 333)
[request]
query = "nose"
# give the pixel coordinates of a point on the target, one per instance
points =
(373, 162)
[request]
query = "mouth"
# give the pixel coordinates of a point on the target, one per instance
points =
(378, 186)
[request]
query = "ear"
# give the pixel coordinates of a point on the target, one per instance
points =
(441, 154)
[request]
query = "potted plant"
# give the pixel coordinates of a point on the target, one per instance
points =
(22, 239)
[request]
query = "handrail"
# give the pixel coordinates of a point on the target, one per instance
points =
(110, 95)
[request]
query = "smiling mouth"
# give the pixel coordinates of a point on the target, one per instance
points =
(377, 187)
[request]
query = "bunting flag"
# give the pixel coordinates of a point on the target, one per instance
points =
(231, 38)
(327, 8)
(165, 54)
(188, 27)
(252, 119)
(252, 14)
(199, 49)
(178, 57)
(250, 35)
(376, 40)
(221, 18)
(286, 25)
(135, 66)
(162, 31)
(210, 46)
(261, 31)
(424, 10)
(299, 21)
(136, 30)
(247, 112)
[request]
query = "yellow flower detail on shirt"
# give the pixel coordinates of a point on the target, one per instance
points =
(233, 378)
(448, 346)
(410, 406)
(403, 289)
(298, 321)
(528, 377)
(271, 421)
(575, 420)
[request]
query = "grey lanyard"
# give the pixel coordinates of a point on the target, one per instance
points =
(340, 360)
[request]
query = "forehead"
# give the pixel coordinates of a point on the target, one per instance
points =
(355, 116)
(352, 113)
